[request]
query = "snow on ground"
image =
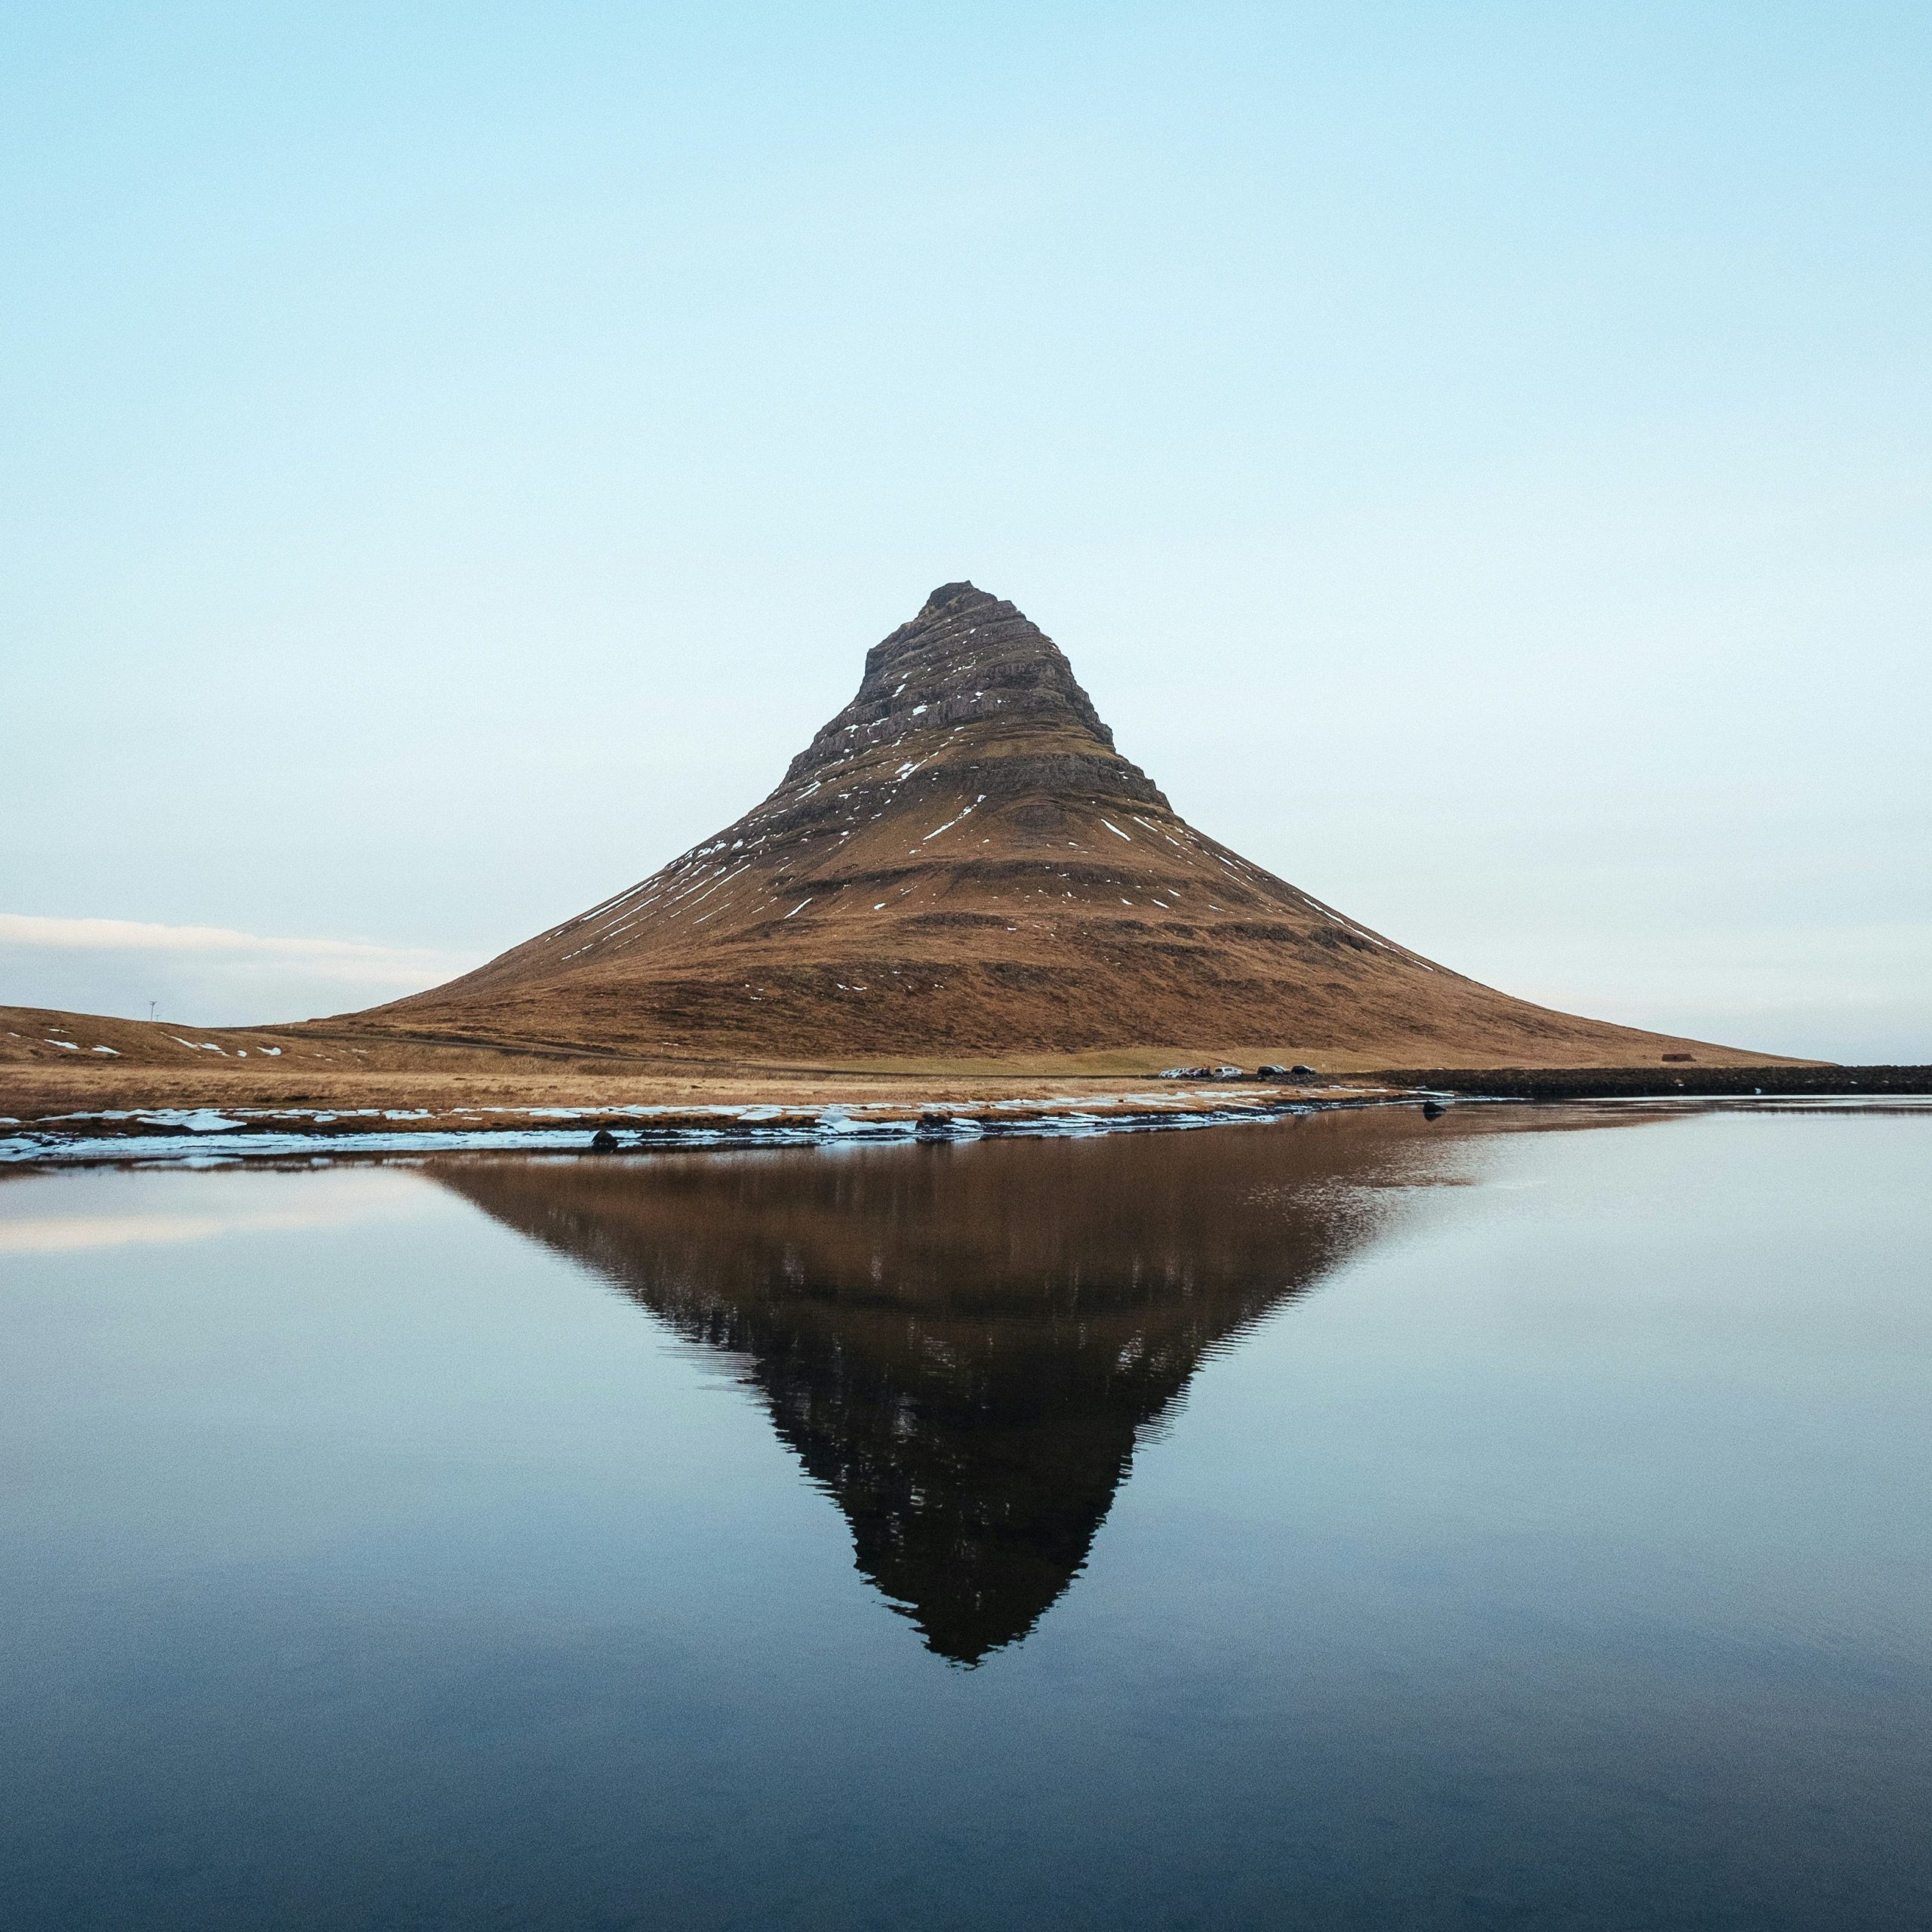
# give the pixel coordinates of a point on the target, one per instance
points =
(203, 1135)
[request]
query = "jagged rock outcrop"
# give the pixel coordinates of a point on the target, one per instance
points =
(970, 659)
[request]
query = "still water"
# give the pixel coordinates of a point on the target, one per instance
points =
(1519, 1520)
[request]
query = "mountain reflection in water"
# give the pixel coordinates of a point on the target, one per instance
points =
(962, 1344)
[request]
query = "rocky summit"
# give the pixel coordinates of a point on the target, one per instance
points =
(960, 865)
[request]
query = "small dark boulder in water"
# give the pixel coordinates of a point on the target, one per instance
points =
(603, 1142)
(1433, 1110)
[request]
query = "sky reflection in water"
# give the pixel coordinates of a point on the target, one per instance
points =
(1514, 1520)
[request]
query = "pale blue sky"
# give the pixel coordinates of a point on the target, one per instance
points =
(1476, 457)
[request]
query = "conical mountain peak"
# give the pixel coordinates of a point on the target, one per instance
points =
(969, 666)
(961, 863)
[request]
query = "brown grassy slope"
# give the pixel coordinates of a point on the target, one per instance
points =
(961, 867)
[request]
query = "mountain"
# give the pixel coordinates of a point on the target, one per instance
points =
(961, 866)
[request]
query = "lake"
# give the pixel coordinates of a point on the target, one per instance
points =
(1519, 1519)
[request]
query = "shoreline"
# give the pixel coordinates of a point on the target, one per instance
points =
(204, 1136)
(1664, 1083)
